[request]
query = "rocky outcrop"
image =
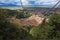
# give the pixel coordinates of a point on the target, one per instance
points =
(34, 20)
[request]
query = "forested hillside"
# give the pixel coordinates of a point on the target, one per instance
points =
(11, 28)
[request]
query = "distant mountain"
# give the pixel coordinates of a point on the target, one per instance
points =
(8, 5)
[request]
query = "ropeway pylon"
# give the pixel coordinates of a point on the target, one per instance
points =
(47, 13)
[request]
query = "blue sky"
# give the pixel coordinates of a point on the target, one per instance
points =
(28, 2)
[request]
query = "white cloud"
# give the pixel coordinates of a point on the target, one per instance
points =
(17, 2)
(47, 2)
(40, 2)
(26, 2)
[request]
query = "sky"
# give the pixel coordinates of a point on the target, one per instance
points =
(28, 2)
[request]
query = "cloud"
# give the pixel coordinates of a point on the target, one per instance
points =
(46, 2)
(39, 2)
(25, 2)
(9, 1)
(15, 2)
(28, 2)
